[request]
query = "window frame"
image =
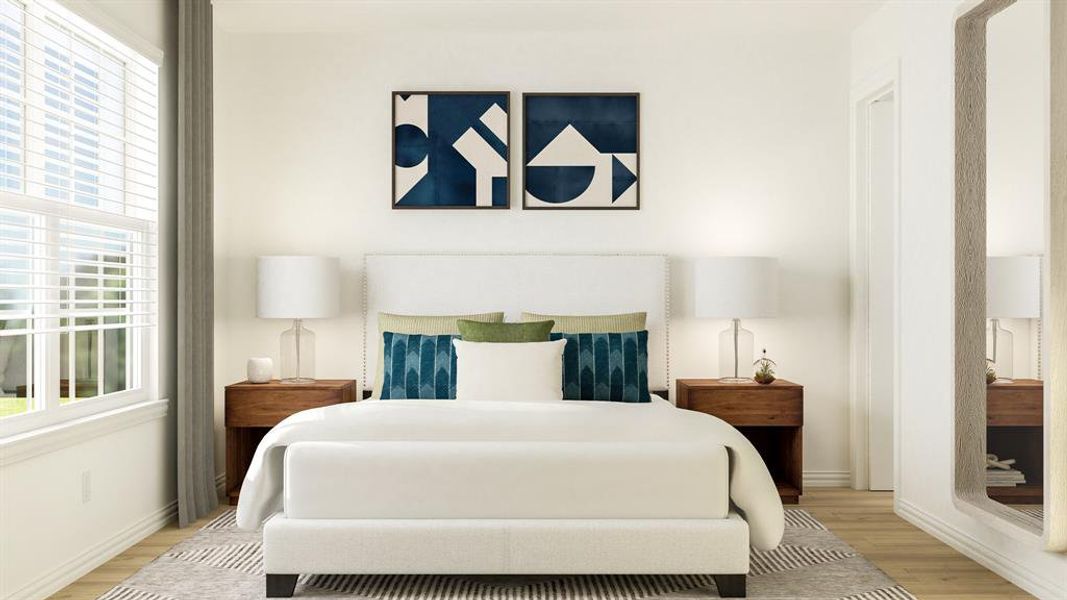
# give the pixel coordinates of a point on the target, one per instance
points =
(44, 349)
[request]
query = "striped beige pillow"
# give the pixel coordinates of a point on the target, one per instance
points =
(423, 325)
(621, 323)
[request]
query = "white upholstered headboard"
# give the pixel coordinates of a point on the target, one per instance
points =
(573, 284)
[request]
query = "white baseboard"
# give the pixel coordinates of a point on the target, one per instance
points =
(1001, 564)
(814, 479)
(96, 555)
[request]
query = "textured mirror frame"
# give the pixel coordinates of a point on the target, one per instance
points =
(970, 258)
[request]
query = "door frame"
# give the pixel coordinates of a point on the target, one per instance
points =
(878, 84)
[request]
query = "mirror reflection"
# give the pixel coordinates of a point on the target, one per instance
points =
(1017, 126)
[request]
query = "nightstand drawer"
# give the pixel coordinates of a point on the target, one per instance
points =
(1020, 403)
(250, 408)
(766, 406)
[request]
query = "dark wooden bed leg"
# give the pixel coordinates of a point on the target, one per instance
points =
(730, 586)
(280, 586)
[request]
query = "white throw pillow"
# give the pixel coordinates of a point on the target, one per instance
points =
(525, 371)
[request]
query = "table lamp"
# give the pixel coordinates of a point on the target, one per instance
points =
(736, 288)
(297, 288)
(1013, 291)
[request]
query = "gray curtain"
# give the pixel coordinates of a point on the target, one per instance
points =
(196, 404)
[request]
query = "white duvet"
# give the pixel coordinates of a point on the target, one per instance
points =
(752, 490)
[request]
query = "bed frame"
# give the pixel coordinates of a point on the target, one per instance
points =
(550, 284)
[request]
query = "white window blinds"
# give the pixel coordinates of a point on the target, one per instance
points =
(78, 205)
(79, 114)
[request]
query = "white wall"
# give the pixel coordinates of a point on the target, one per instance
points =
(920, 36)
(48, 535)
(1017, 150)
(744, 138)
(1017, 120)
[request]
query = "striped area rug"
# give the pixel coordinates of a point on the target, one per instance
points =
(222, 562)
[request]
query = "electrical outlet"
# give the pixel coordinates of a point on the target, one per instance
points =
(87, 487)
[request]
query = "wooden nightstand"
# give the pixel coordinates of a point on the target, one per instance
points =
(1014, 429)
(770, 416)
(253, 408)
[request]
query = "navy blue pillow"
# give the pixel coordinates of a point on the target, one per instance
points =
(418, 366)
(605, 366)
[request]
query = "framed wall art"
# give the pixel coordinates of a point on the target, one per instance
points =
(450, 150)
(580, 151)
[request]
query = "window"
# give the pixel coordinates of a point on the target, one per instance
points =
(78, 203)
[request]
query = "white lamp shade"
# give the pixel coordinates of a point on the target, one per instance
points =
(1013, 287)
(297, 287)
(736, 287)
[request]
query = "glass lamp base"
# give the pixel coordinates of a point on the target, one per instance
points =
(736, 346)
(298, 355)
(1000, 349)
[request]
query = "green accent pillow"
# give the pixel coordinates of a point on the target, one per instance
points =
(420, 325)
(476, 331)
(621, 323)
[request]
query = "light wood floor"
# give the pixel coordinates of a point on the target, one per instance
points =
(929, 569)
(865, 520)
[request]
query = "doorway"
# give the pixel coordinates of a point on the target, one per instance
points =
(875, 286)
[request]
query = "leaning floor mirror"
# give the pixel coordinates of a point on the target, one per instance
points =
(1011, 199)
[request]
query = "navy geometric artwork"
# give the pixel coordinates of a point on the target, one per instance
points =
(581, 151)
(450, 149)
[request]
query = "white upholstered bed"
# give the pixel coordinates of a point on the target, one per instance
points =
(422, 486)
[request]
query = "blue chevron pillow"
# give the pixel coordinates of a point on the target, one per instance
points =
(605, 366)
(418, 366)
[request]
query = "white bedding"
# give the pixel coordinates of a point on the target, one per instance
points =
(751, 488)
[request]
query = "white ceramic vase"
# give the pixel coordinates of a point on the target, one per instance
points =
(260, 370)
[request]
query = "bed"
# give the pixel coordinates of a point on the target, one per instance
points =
(452, 487)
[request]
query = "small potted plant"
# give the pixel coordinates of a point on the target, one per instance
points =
(764, 369)
(990, 372)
